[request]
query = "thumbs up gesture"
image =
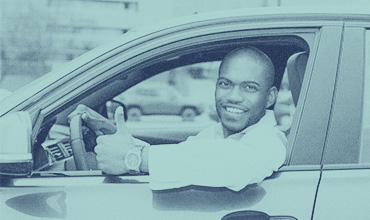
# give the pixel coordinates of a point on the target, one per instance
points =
(111, 149)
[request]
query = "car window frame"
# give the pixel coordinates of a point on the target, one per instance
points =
(310, 136)
(314, 34)
(365, 146)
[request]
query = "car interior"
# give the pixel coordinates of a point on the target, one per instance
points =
(52, 150)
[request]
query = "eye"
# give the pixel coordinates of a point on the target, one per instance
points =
(224, 84)
(250, 88)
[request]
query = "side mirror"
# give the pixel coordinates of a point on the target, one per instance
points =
(15, 144)
(254, 215)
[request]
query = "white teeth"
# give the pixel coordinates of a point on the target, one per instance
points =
(234, 110)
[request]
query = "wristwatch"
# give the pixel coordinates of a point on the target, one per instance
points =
(133, 160)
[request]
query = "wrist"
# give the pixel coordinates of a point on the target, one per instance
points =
(144, 166)
(133, 160)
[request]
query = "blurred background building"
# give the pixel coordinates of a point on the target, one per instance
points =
(38, 36)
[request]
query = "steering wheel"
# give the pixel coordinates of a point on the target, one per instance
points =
(83, 160)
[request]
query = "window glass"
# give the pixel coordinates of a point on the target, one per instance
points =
(365, 140)
(181, 98)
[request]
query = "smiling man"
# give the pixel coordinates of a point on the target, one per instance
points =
(244, 89)
(244, 148)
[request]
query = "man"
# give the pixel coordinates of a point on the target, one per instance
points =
(244, 148)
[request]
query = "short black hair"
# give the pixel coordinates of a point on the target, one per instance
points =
(259, 56)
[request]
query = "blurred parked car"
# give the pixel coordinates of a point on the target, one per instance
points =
(159, 99)
(326, 53)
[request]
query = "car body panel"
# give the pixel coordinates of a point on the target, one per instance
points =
(340, 189)
(87, 198)
(291, 191)
(345, 180)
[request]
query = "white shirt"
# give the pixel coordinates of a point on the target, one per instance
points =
(209, 159)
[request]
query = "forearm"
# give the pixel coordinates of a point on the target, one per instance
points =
(214, 163)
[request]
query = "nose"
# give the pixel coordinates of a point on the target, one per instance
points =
(235, 95)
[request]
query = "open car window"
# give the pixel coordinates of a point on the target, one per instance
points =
(170, 96)
(179, 99)
(183, 98)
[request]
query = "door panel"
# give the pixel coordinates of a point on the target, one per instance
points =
(291, 193)
(344, 191)
(344, 194)
(285, 193)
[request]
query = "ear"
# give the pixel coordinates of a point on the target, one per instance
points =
(272, 96)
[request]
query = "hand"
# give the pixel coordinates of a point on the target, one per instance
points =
(112, 149)
(93, 120)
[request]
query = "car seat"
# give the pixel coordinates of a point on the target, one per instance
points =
(296, 67)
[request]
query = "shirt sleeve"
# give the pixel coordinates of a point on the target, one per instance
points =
(215, 162)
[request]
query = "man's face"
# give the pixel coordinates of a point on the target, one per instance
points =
(242, 93)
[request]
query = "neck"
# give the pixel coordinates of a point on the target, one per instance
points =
(227, 132)
(254, 120)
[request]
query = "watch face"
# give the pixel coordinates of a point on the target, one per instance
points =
(132, 160)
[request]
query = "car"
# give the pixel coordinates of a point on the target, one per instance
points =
(325, 54)
(158, 99)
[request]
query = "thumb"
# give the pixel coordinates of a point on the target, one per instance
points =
(120, 121)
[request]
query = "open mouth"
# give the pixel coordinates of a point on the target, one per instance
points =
(234, 110)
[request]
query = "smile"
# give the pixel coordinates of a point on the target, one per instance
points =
(234, 110)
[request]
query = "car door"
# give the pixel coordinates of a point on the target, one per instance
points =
(344, 191)
(298, 180)
(289, 192)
